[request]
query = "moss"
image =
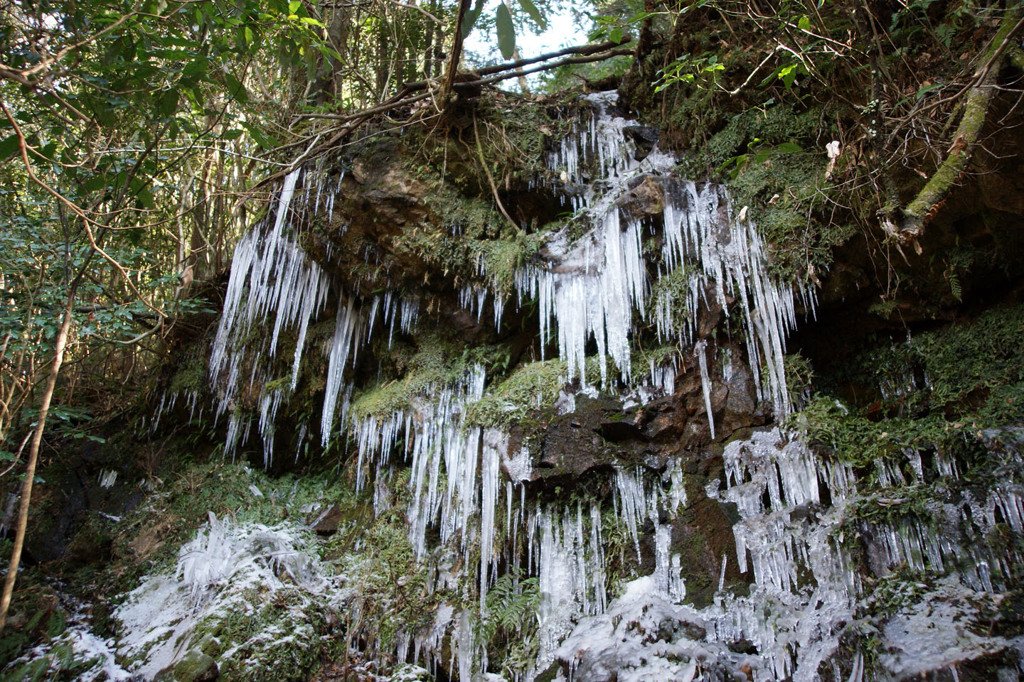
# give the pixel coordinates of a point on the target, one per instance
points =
(975, 112)
(501, 259)
(149, 538)
(895, 591)
(252, 642)
(799, 378)
(934, 392)
(750, 131)
(191, 375)
(390, 594)
(195, 666)
(411, 371)
(529, 387)
(775, 165)
(513, 133)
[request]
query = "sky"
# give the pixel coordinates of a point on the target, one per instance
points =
(562, 31)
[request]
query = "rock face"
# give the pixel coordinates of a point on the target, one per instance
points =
(574, 447)
(665, 474)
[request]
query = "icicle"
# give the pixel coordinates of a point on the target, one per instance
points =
(270, 275)
(342, 346)
(700, 350)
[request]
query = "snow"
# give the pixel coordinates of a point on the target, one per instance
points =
(216, 575)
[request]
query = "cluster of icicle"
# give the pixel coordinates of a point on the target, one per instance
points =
(589, 289)
(273, 280)
(795, 512)
(592, 288)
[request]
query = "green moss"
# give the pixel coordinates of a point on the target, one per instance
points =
(895, 591)
(195, 665)
(799, 378)
(252, 642)
(149, 538)
(672, 292)
(390, 594)
(751, 131)
(942, 387)
(775, 166)
(190, 375)
(501, 259)
(436, 362)
(513, 133)
(528, 388)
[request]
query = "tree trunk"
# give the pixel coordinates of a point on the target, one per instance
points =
(337, 37)
(33, 453)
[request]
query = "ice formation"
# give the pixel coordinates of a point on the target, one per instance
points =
(590, 289)
(218, 573)
(593, 287)
(468, 491)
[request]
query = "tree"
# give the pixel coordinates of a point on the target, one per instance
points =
(123, 129)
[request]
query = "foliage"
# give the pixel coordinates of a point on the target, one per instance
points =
(389, 583)
(507, 20)
(942, 388)
(41, 619)
(510, 620)
(437, 361)
(884, 85)
(110, 113)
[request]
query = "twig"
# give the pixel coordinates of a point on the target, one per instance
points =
(21, 75)
(490, 178)
(87, 222)
(405, 97)
(553, 65)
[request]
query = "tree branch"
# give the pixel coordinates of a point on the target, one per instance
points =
(922, 209)
(406, 96)
(87, 222)
(553, 65)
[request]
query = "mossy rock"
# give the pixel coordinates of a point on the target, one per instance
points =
(195, 667)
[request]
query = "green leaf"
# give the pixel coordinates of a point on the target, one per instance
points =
(804, 24)
(167, 103)
(535, 14)
(263, 139)
(471, 16)
(9, 146)
(293, 6)
(145, 199)
(235, 88)
(194, 70)
(49, 151)
(788, 148)
(787, 75)
(926, 89)
(506, 32)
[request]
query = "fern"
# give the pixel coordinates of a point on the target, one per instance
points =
(511, 604)
(954, 286)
